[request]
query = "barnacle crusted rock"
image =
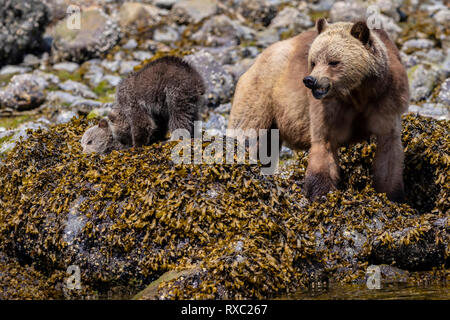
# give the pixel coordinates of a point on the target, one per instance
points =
(224, 231)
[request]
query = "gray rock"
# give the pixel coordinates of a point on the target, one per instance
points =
(62, 97)
(94, 74)
(131, 44)
(433, 56)
(223, 108)
(417, 44)
(128, 66)
(389, 8)
(66, 66)
(23, 92)
(30, 60)
(65, 116)
(257, 11)
(432, 110)
(238, 69)
(50, 78)
(347, 11)
(286, 152)
(216, 125)
(446, 64)
(432, 6)
(111, 65)
(267, 37)
(142, 55)
(291, 19)
(388, 274)
(8, 70)
(97, 35)
(57, 9)
(22, 23)
(422, 81)
(357, 10)
(78, 89)
(444, 94)
(21, 133)
(442, 17)
(320, 5)
(219, 83)
(166, 34)
(85, 106)
(112, 80)
(193, 11)
(165, 4)
(137, 17)
(388, 24)
(409, 60)
(222, 31)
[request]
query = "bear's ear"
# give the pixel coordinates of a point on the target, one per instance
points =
(321, 25)
(361, 32)
(103, 123)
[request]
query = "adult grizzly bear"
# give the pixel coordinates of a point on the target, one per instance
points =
(325, 88)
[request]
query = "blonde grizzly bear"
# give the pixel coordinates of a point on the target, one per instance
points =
(325, 88)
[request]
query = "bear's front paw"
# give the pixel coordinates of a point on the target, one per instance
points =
(317, 185)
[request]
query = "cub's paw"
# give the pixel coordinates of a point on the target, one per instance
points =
(318, 185)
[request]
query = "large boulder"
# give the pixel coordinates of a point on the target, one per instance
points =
(220, 30)
(126, 218)
(137, 17)
(257, 11)
(97, 34)
(22, 23)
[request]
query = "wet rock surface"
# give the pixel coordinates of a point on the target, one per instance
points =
(266, 239)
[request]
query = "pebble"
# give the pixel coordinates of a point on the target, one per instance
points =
(66, 66)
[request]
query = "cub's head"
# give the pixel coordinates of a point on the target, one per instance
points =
(341, 57)
(99, 139)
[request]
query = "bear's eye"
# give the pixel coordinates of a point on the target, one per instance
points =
(333, 63)
(89, 142)
(313, 64)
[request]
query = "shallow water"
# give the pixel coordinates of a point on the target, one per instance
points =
(388, 292)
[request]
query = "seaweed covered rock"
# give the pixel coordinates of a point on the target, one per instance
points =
(22, 23)
(223, 231)
(96, 34)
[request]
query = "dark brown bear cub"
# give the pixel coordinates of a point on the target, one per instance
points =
(165, 95)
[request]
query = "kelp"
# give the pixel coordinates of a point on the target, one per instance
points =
(128, 217)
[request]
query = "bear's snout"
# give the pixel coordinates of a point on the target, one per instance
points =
(310, 82)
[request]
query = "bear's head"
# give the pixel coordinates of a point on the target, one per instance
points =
(341, 57)
(100, 139)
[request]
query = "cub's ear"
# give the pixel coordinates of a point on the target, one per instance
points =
(361, 32)
(321, 25)
(103, 123)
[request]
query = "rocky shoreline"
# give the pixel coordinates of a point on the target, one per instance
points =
(210, 231)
